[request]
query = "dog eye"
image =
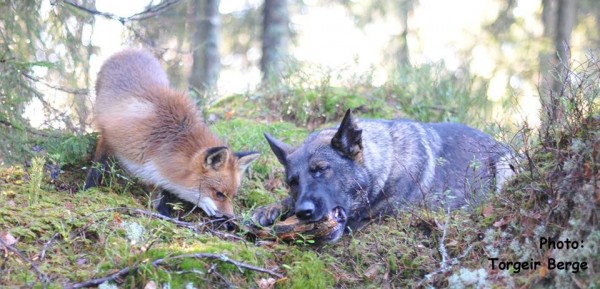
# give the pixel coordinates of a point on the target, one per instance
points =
(322, 168)
(220, 196)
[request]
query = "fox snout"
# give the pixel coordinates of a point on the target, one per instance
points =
(226, 210)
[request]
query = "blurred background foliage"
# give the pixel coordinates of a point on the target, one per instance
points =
(478, 62)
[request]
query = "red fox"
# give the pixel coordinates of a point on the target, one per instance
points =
(156, 134)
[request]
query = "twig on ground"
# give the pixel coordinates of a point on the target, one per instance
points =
(194, 227)
(43, 253)
(446, 263)
(213, 270)
(41, 276)
(158, 262)
(442, 247)
(452, 262)
(225, 235)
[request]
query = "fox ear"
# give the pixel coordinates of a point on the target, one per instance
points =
(216, 157)
(244, 159)
(348, 139)
(279, 148)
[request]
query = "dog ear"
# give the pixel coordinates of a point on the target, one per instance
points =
(348, 139)
(279, 148)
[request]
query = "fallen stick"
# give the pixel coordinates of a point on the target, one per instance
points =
(158, 262)
(41, 276)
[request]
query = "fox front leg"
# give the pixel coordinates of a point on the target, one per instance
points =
(100, 164)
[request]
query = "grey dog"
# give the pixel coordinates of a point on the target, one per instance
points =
(365, 169)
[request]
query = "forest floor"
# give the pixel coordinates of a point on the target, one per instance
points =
(54, 236)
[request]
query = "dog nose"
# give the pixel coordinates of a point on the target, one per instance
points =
(305, 210)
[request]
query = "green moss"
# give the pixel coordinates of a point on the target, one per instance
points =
(308, 270)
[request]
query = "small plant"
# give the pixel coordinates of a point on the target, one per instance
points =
(36, 175)
(69, 149)
(304, 240)
(114, 177)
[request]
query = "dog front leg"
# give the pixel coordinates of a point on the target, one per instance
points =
(267, 215)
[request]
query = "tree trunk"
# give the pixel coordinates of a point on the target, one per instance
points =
(566, 13)
(565, 20)
(558, 17)
(403, 54)
(549, 22)
(205, 45)
(275, 36)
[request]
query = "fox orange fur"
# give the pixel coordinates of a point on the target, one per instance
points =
(156, 134)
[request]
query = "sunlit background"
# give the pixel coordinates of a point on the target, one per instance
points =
(347, 37)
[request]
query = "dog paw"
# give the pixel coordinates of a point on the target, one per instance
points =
(267, 215)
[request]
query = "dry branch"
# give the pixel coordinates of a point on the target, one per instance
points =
(41, 276)
(43, 252)
(194, 227)
(158, 262)
(79, 91)
(149, 12)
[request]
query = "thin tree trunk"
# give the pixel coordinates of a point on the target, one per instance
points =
(558, 17)
(403, 54)
(275, 36)
(566, 12)
(549, 23)
(565, 20)
(205, 43)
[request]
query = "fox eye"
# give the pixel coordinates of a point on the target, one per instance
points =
(220, 196)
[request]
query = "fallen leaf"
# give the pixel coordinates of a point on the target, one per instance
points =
(500, 223)
(150, 285)
(117, 218)
(373, 271)
(229, 114)
(587, 170)
(268, 283)
(81, 261)
(487, 211)
(543, 271)
(7, 239)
